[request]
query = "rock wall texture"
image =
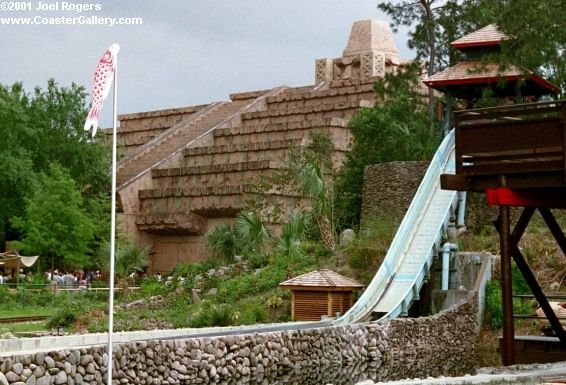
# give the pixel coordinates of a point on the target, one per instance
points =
(443, 344)
(389, 189)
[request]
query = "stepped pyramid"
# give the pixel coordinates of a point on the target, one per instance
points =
(184, 170)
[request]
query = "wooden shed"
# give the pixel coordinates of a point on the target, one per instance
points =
(320, 293)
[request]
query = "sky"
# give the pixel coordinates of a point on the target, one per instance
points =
(185, 52)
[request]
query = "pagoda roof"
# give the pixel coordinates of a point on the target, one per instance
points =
(487, 36)
(323, 278)
(480, 74)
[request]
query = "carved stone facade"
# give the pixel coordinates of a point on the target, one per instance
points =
(370, 53)
(184, 170)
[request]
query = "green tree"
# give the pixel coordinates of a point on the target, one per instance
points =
(423, 39)
(41, 128)
(55, 223)
(58, 116)
(539, 36)
(396, 128)
(17, 176)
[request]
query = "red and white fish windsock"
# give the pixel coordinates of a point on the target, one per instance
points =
(102, 82)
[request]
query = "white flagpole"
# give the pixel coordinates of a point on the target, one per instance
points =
(112, 228)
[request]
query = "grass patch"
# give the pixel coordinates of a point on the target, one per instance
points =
(22, 327)
(26, 312)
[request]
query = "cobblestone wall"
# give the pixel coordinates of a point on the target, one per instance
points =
(443, 344)
(389, 189)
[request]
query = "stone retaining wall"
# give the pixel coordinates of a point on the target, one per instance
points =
(443, 344)
(390, 187)
(388, 190)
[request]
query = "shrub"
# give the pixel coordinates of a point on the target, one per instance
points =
(8, 299)
(258, 260)
(190, 270)
(64, 317)
(520, 286)
(366, 252)
(210, 314)
(150, 287)
(252, 313)
(274, 301)
(493, 304)
(222, 242)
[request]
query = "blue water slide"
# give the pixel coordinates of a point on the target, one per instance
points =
(418, 239)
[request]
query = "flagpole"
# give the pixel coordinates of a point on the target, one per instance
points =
(112, 228)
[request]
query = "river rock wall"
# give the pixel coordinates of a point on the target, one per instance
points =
(442, 344)
(388, 190)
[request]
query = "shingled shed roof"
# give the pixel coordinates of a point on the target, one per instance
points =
(486, 36)
(322, 279)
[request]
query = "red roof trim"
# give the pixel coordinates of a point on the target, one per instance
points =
(545, 83)
(491, 79)
(450, 82)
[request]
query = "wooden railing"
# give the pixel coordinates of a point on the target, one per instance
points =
(518, 139)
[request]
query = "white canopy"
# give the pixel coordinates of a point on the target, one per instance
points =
(12, 260)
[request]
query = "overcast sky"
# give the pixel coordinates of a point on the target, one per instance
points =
(186, 52)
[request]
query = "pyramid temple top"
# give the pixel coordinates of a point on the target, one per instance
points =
(371, 35)
(370, 53)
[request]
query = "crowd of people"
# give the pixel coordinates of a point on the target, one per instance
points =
(68, 278)
(10, 275)
(61, 277)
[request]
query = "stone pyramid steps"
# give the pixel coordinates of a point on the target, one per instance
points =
(224, 174)
(140, 128)
(294, 132)
(218, 176)
(164, 205)
(175, 138)
(238, 153)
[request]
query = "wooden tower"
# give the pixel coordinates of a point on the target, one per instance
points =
(515, 154)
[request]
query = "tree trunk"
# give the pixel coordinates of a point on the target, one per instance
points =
(429, 19)
(327, 233)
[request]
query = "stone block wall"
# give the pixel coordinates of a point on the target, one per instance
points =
(443, 344)
(388, 190)
(139, 128)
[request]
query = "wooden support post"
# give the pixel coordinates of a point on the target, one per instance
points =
(554, 227)
(531, 280)
(506, 286)
(529, 276)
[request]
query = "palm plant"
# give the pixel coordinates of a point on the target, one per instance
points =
(128, 258)
(314, 175)
(223, 242)
(251, 232)
(292, 234)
